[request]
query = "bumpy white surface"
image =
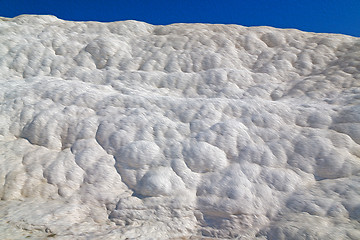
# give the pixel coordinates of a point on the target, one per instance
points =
(128, 130)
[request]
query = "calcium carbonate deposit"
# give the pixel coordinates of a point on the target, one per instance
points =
(126, 130)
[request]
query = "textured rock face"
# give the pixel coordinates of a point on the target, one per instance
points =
(128, 130)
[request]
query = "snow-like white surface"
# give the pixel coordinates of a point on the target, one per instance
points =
(128, 130)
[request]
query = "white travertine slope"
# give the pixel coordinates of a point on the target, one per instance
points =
(128, 130)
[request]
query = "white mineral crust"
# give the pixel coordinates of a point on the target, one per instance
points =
(126, 130)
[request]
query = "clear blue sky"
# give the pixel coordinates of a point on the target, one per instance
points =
(333, 16)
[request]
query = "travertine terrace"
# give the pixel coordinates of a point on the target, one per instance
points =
(127, 130)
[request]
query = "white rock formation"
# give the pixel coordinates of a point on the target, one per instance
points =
(128, 130)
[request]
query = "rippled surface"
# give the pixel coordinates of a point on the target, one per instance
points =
(128, 130)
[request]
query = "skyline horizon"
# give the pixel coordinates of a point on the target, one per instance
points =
(338, 17)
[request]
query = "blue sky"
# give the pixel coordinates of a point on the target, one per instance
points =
(333, 16)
